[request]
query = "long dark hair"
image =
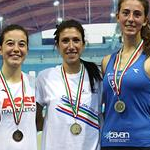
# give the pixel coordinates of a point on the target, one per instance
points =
(145, 31)
(92, 68)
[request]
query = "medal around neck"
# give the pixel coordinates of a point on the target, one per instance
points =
(17, 135)
(119, 106)
(75, 129)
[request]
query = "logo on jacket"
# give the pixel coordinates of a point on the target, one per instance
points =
(111, 82)
(114, 136)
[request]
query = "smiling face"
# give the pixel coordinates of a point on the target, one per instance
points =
(131, 17)
(14, 48)
(70, 46)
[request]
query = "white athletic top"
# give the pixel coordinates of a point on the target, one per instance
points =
(27, 124)
(51, 92)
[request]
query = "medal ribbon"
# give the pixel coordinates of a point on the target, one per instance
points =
(16, 113)
(75, 107)
(118, 60)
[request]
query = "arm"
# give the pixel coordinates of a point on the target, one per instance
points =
(104, 63)
(39, 117)
(147, 66)
(103, 69)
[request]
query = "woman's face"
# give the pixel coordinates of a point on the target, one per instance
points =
(131, 17)
(14, 48)
(70, 45)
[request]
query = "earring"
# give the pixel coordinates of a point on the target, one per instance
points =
(144, 24)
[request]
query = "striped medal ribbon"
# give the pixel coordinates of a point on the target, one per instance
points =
(120, 105)
(75, 128)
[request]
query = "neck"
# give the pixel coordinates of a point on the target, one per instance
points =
(130, 44)
(11, 75)
(71, 68)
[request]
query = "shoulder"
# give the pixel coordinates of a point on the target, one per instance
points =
(29, 79)
(48, 74)
(28, 76)
(147, 66)
(105, 61)
(44, 72)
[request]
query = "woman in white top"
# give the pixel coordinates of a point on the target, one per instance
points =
(17, 93)
(71, 94)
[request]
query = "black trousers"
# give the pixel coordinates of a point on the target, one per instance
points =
(125, 148)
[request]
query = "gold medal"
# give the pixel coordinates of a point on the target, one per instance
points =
(119, 106)
(17, 135)
(75, 129)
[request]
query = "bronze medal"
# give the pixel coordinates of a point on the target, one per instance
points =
(17, 113)
(118, 77)
(75, 129)
(119, 106)
(17, 135)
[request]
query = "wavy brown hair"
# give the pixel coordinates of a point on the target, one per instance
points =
(145, 31)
